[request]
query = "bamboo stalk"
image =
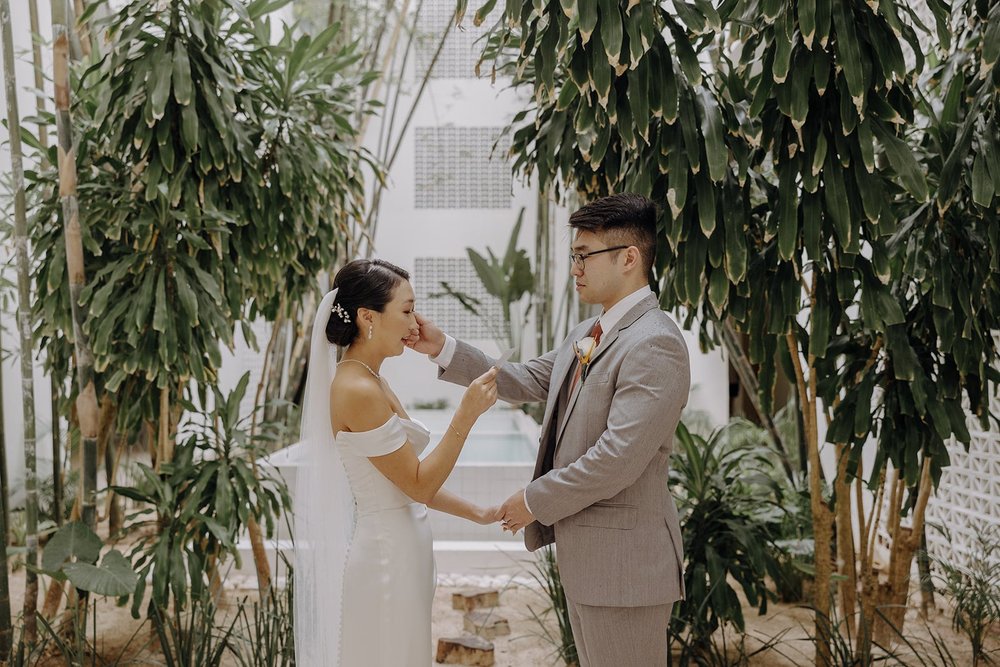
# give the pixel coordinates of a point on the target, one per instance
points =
(86, 401)
(4, 483)
(24, 330)
(36, 57)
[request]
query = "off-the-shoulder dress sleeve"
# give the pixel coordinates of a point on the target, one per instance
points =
(379, 441)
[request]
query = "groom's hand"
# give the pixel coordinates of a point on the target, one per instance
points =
(429, 340)
(515, 513)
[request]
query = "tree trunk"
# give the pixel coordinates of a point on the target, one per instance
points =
(822, 518)
(86, 401)
(24, 329)
(846, 561)
(905, 542)
(927, 603)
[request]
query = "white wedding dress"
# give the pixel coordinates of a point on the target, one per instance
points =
(389, 575)
(363, 562)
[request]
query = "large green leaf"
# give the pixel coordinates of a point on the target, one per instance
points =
(115, 576)
(74, 541)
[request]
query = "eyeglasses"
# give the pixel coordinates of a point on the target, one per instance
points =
(579, 258)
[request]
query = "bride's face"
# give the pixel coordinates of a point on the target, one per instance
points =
(397, 322)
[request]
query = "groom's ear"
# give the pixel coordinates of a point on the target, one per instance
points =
(633, 258)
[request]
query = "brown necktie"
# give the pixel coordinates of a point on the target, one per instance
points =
(595, 333)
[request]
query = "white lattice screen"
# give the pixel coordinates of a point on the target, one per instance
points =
(462, 47)
(968, 497)
(446, 311)
(457, 167)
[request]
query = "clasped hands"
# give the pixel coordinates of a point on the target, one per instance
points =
(513, 514)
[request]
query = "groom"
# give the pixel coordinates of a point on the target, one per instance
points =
(614, 390)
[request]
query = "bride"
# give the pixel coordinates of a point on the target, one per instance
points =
(364, 570)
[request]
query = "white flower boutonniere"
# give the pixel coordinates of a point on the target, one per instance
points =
(584, 349)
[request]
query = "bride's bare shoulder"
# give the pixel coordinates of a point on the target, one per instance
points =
(358, 398)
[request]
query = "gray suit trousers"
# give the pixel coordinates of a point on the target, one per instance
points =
(620, 636)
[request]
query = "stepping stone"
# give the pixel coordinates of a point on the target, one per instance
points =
(465, 650)
(475, 598)
(486, 624)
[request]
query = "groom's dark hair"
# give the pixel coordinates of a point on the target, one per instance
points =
(362, 283)
(623, 219)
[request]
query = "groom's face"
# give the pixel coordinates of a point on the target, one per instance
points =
(600, 277)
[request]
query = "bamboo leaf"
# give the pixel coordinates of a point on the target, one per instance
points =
(712, 131)
(588, 18)
(611, 30)
(903, 161)
(982, 183)
(807, 21)
(787, 212)
(182, 76)
(849, 52)
(159, 85)
(161, 308)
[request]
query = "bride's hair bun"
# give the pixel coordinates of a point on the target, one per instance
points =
(362, 283)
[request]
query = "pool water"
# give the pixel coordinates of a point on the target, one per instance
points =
(501, 436)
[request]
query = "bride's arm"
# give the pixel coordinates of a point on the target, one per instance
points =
(449, 503)
(365, 408)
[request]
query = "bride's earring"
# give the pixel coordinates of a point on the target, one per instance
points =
(370, 331)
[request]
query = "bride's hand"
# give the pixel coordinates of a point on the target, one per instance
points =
(481, 395)
(487, 515)
(430, 338)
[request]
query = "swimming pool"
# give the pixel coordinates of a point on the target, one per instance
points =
(501, 436)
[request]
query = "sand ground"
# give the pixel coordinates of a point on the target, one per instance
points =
(123, 640)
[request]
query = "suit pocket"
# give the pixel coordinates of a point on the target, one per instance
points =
(596, 377)
(619, 516)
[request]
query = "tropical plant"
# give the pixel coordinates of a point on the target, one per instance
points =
(264, 628)
(72, 554)
(508, 279)
(198, 504)
(545, 573)
(789, 185)
(972, 583)
(729, 515)
(191, 637)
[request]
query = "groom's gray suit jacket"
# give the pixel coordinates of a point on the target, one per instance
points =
(600, 482)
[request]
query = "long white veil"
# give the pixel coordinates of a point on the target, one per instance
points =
(323, 512)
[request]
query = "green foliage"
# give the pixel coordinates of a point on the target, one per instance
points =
(192, 638)
(545, 573)
(265, 633)
(508, 279)
(72, 554)
(198, 503)
(729, 515)
(217, 173)
(974, 589)
(816, 183)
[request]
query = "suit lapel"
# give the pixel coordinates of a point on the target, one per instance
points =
(607, 340)
(564, 366)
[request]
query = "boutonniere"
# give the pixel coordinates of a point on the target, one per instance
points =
(584, 350)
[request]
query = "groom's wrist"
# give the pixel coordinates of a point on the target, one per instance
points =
(445, 353)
